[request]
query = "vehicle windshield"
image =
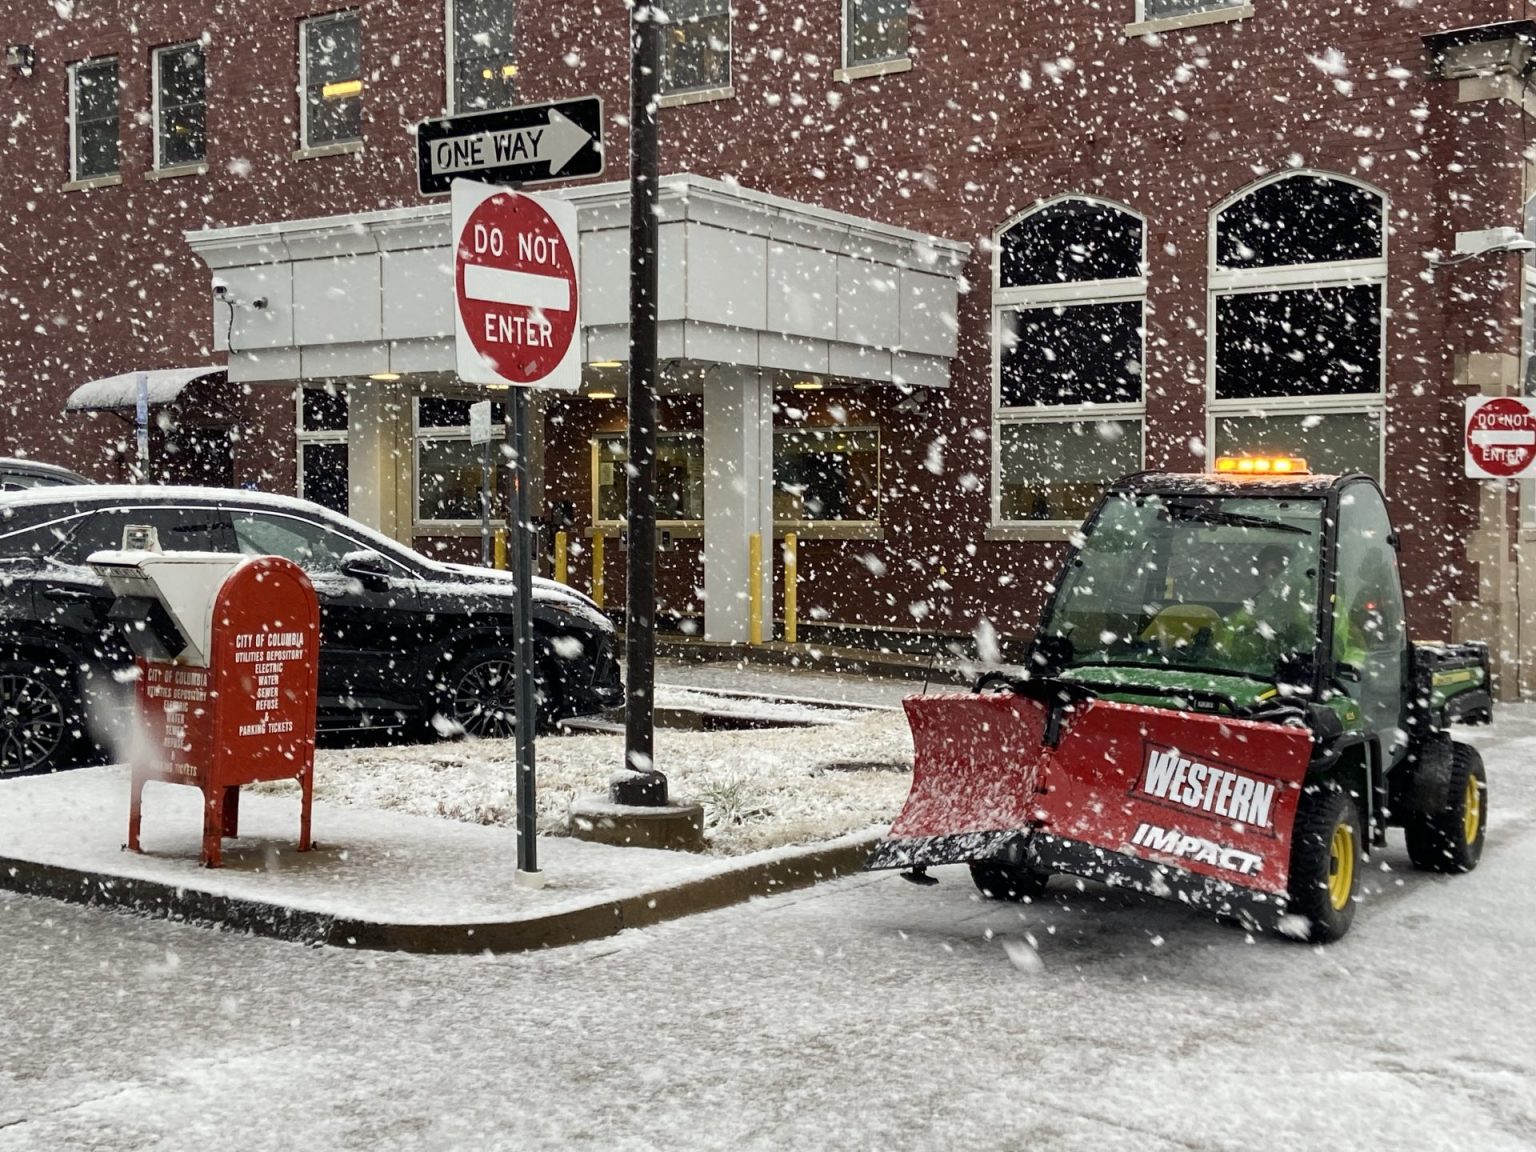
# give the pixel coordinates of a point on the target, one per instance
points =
(1224, 584)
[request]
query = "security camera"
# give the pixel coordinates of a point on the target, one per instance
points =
(220, 289)
(259, 303)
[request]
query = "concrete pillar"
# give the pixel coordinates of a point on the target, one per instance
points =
(374, 452)
(738, 497)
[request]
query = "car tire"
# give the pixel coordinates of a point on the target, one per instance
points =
(41, 726)
(478, 694)
(1326, 863)
(1451, 839)
(999, 880)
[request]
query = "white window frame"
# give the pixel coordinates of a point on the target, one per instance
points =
(858, 69)
(74, 121)
(154, 83)
(1004, 300)
(675, 97)
(450, 57)
(1222, 282)
(351, 142)
(1218, 12)
(304, 437)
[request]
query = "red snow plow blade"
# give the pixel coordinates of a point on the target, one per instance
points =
(1148, 797)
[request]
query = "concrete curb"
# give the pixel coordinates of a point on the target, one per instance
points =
(151, 898)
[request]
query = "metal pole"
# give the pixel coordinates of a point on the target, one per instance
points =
(141, 422)
(640, 783)
(485, 504)
(522, 638)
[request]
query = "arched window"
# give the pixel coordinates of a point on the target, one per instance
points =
(1298, 275)
(1069, 293)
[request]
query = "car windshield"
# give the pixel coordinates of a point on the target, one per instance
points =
(1224, 584)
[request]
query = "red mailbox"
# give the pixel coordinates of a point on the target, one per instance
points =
(228, 652)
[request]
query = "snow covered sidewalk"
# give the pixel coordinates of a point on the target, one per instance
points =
(376, 878)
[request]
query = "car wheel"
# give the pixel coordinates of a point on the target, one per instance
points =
(999, 880)
(39, 717)
(1325, 862)
(480, 694)
(1451, 839)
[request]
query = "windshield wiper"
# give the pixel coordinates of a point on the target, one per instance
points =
(1203, 514)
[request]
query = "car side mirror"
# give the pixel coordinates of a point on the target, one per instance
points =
(365, 565)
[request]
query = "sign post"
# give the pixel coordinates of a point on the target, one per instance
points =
(480, 436)
(517, 316)
(1500, 441)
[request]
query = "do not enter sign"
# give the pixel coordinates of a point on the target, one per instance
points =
(1501, 438)
(516, 289)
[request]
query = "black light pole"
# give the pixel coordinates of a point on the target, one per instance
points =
(640, 783)
(520, 515)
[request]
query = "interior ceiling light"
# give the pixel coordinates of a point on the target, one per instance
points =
(341, 89)
(602, 394)
(810, 385)
(606, 364)
(385, 376)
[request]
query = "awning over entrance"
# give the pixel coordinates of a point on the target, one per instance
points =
(118, 392)
(747, 279)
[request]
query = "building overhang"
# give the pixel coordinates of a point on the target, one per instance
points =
(747, 279)
(162, 386)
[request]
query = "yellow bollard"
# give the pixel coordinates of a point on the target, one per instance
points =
(791, 587)
(597, 568)
(500, 552)
(755, 588)
(562, 558)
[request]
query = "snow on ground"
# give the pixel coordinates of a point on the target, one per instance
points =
(777, 680)
(862, 1014)
(760, 788)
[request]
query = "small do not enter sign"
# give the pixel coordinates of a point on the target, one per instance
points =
(1500, 438)
(516, 288)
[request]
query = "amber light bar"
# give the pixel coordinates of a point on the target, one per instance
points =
(1261, 465)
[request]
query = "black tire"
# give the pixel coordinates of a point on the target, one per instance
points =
(479, 694)
(1451, 840)
(999, 880)
(40, 723)
(1326, 862)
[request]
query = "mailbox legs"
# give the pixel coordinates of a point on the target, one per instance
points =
(307, 788)
(213, 826)
(135, 812)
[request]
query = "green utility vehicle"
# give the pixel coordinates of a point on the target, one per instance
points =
(1221, 703)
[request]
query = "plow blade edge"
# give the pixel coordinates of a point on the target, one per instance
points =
(1207, 795)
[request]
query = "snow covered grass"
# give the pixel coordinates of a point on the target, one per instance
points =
(762, 788)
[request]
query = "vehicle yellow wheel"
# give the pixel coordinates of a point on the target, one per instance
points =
(1449, 838)
(1472, 811)
(1341, 866)
(1323, 886)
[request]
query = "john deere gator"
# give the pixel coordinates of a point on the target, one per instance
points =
(1221, 705)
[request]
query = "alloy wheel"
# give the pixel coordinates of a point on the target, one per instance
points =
(485, 700)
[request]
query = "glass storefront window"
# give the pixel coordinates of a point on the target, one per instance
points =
(826, 474)
(1050, 470)
(679, 477)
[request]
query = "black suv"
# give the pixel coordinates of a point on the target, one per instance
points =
(405, 641)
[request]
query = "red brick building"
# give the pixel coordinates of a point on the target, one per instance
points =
(1007, 251)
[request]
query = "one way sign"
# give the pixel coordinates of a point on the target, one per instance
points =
(529, 144)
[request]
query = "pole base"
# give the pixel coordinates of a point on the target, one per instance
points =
(679, 827)
(638, 790)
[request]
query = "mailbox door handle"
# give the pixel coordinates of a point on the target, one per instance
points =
(69, 594)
